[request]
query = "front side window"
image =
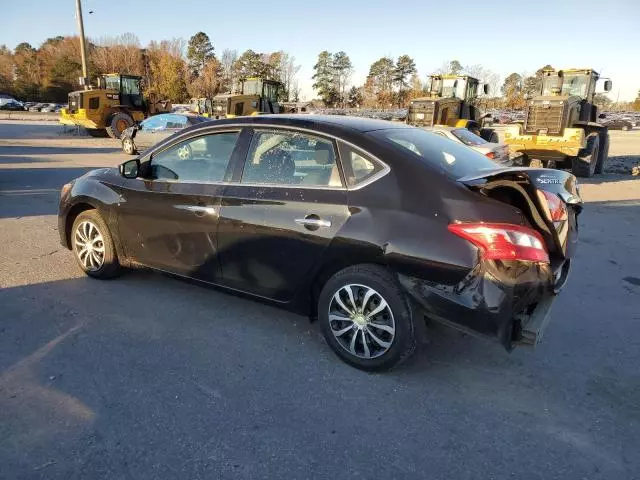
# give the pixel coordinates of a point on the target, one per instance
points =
(358, 166)
(291, 158)
(200, 159)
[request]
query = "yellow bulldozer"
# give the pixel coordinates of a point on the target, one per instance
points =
(112, 107)
(256, 96)
(560, 125)
(451, 102)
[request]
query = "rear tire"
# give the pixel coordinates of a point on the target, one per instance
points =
(603, 157)
(118, 123)
(100, 259)
(97, 132)
(584, 165)
(373, 343)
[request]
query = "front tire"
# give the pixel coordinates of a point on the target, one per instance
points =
(366, 318)
(584, 165)
(118, 123)
(93, 246)
(603, 156)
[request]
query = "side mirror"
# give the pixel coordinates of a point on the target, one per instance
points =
(607, 85)
(130, 168)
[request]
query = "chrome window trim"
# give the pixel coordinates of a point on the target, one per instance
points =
(235, 126)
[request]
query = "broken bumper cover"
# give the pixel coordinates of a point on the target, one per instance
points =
(508, 301)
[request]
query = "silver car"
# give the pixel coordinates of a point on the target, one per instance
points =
(498, 152)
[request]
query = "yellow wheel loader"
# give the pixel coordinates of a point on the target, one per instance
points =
(112, 107)
(256, 96)
(451, 102)
(560, 126)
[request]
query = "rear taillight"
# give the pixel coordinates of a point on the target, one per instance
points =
(490, 155)
(554, 207)
(503, 241)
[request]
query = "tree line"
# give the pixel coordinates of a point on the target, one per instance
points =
(173, 69)
(178, 70)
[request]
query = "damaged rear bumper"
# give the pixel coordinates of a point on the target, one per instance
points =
(508, 301)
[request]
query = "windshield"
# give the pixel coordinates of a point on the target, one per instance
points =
(452, 87)
(575, 85)
(572, 85)
(467, 137)
(453, 159)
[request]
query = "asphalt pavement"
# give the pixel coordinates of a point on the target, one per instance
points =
(149, 377)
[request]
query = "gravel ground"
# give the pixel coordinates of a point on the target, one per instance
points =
(148, 377)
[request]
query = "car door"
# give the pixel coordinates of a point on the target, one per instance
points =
(168, 217)
(151, 131)
(284, 207)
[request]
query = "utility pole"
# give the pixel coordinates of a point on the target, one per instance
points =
(84, 81)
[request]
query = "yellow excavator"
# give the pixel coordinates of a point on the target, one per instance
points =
(256, 96)
(451, 102)
(111, 107)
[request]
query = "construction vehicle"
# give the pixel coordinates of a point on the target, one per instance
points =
(451, 102)
(256, 96)
(561, 126)
(115, 105)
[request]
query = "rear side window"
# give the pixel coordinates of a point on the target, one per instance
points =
(358, 166)
(200, 159)
(453, 159)
(281, 157)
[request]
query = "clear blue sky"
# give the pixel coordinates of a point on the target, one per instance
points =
(503, 35)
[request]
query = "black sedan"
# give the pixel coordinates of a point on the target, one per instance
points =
(365, 225)
(152, 130)
(618, 124)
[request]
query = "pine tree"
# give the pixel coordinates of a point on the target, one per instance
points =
(199, 51)
(324, 78)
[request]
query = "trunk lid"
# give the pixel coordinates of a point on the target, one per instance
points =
(524, 188)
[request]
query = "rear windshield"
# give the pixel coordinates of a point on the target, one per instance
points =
(467, 137)
(454, 159)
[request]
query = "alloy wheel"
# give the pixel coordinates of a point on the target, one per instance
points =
(89, 245)
(361, 321)
(128, 146)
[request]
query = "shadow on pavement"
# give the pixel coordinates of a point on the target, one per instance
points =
(33, 191)
(18, 151)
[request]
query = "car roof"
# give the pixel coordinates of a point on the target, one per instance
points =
(320, 122)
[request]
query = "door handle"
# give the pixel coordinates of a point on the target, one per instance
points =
(199, 210)
(313, 222)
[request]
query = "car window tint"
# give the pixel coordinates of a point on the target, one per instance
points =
(358, 166)
(454, 159)
(155, 122)
(291, 158)
(200, 159)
